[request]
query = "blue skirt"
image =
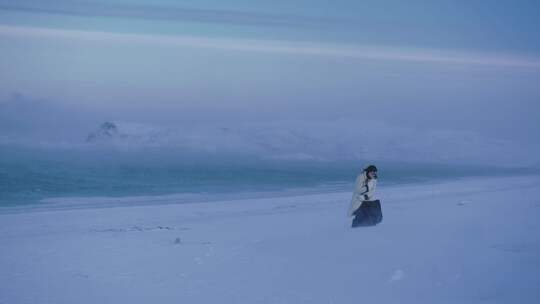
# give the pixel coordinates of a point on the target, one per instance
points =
(368, 214)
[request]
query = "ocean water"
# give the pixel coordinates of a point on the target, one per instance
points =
(36, 177)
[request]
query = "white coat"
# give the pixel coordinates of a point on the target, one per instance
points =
(364, 190)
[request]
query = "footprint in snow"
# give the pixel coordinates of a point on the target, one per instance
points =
(517, 247)
(463, 203)
(284, 207)
(141, 229)
(397, 276)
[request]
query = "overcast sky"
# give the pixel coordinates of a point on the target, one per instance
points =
(471, 65)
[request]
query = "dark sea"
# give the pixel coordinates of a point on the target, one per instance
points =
(39, 177)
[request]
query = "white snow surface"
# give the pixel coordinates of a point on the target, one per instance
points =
(465, 241)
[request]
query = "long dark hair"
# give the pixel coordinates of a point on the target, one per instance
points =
(370, 168)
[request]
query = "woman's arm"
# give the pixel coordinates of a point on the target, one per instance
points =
(368, 191)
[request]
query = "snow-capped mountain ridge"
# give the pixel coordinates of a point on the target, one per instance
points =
(338, 140)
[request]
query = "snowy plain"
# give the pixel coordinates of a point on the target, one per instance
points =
(470, 240)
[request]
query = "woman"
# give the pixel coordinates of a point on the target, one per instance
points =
(364, 209)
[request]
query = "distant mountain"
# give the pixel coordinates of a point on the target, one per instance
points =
(106, 131)
(337, 140)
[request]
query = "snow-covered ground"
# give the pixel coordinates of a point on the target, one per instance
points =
(464, 241)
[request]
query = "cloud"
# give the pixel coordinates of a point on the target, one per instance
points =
(78, 8)
(364, 52)
(25, 117)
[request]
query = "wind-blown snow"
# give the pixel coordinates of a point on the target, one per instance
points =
(464, 241)
(70, 128)
(332, 140)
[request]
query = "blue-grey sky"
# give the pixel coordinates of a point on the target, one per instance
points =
(471, 65)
